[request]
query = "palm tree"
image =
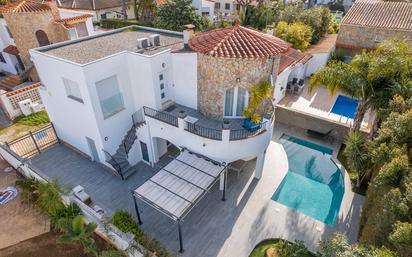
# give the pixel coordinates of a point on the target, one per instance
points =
(372, 77)
(356, 154)
(75, 230)
(148, 9)
(49, 196)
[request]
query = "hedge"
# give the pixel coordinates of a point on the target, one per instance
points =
(117, 23)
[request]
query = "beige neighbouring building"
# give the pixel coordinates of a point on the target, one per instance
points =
(369, 22)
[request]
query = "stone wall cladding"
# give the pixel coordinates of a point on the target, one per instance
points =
(216, 75)
(23, 27)
(364, 37)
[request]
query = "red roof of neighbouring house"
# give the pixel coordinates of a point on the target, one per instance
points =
(90, 4)
(67, 23)
(380, 14)
(25, 6)
(11, 49)
(291, 57)
(26, 88)
(237, 42)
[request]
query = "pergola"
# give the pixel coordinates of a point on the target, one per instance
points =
(179, 186)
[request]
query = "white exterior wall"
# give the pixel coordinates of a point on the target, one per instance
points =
(185, 80)
(223, 3)
(73, 120)
(68, 13)
(317, 61)
(280, 85)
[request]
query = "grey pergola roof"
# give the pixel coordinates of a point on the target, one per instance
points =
(179, 186)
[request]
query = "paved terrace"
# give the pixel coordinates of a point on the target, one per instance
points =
(92, 48)
(213, 228)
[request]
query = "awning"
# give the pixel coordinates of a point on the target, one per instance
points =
(11, 49)
(180, 185)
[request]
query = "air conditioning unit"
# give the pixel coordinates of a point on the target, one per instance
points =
(36, 107)
(25, 107)
(155, 40)
(142, 43)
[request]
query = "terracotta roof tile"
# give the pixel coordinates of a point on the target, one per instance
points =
(380, 14)
(291, 57)
(237, 42)
(11, 49)
(25, 6)
(26, 88)
(72, 20)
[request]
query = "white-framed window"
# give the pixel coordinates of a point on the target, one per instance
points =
(110, 97)
(227, 6)
(73, 33)
(72, 90)
(236, 100)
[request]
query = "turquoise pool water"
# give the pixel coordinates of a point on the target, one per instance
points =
(314, 184)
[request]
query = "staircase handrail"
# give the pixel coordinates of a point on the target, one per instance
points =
(119, 169)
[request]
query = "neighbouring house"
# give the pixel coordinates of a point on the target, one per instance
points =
(369, 22)
(136, 92)
(100, 9)
(205, 8)
(29, 24)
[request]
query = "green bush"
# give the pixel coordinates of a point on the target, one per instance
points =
(66, 212)
(298, 34)
(123, 221)
(115, 23)
(34, 119)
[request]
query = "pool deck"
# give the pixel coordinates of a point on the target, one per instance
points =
(214, 228)
(319, 103)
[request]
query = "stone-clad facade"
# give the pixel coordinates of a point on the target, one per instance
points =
(23, 27)
(357, 37)
(216, 75)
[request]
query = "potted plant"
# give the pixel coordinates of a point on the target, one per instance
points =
(226, 124)
(260, 94)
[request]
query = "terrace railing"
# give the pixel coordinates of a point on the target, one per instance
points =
(160, 115)
(239, 134)
(210, 133)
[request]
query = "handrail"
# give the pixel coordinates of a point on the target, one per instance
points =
(115, 164)
(238, 134)
(210, 133)
(160, 115)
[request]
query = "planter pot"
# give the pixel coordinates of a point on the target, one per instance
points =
(251, 126)
(226, 124)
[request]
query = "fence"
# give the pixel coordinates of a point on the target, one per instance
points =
(238, 134)
(210, 133)
(34, 142)
(162, 116)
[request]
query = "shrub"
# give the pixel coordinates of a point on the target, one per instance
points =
(123, 221)
(298, 34)
(337, 55)
(66, 212)
(115, 23)
(34, 119)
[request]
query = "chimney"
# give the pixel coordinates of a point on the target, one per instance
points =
(269, 30)
(187, 34)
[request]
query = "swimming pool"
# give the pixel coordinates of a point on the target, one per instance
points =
(314, 184)
(345, 106)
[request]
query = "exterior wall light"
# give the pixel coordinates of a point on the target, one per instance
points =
(106, 138)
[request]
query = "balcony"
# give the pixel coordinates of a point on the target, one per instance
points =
(196, 123)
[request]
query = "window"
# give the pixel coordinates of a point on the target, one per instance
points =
(72, 33)
(162, 86)
(238, 7)
(42, 38)
(72, 90)
(103, 16)
(217, 5)
(163, 95)
(161, 76)
(235, 101)
(227, 6)
(2, 58)
(110, 97)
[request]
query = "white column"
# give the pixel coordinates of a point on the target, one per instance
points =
(259, 165)
(225, 135)
(222, 181)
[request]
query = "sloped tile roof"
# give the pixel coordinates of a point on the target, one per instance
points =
(90, 4)
(292, 56)
(11, 49)
(25, 6)
(26, 88)
(74, 19)
(237, 42)
(380, 14)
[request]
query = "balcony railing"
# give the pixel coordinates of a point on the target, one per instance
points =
(238, 134)
(210, 133)
(160, 115)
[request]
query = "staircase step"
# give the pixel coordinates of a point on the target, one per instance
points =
(129, 172)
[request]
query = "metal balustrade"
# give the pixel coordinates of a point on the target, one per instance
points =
(160, 115)
(210, 133)
(239, 134)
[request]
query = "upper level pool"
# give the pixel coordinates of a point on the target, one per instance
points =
(345, 106)
(313, 184)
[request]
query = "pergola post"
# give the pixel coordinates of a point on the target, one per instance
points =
(180, 237)
(224, 184)
(136, 209)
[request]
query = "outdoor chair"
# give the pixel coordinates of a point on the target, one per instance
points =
(289, 87)
(294, 81)
(301, 81)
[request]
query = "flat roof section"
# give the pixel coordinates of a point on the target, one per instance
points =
(100, 46)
